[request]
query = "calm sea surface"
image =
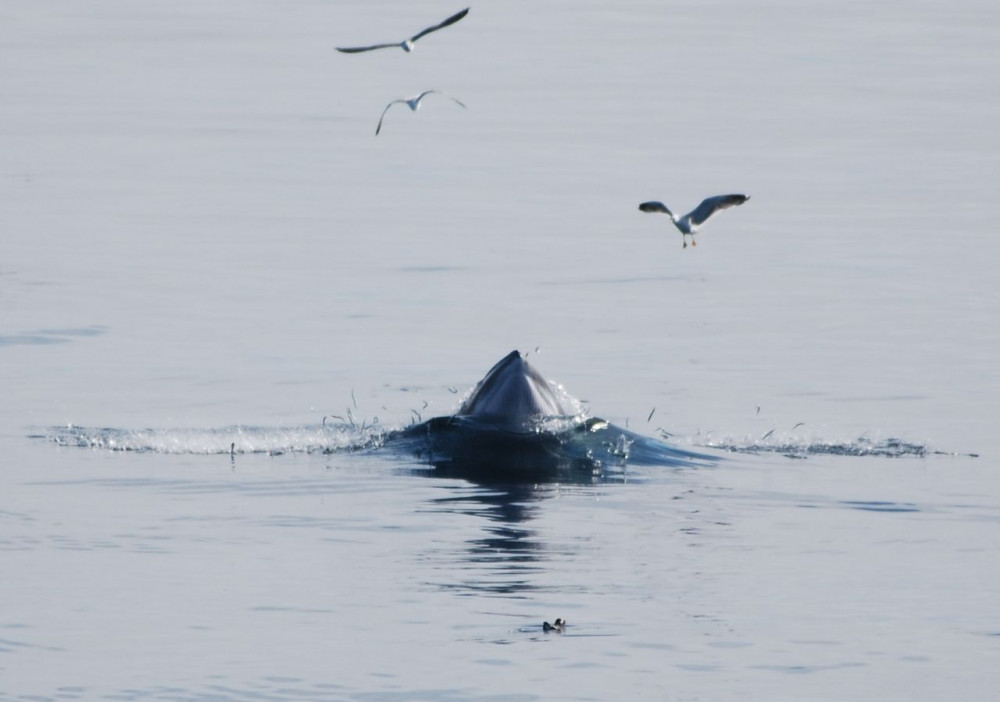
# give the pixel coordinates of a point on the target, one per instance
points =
(206, 247)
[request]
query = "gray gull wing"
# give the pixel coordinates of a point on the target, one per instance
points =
(710, 205)
(451, 20)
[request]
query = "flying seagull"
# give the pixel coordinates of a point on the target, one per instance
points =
(689, 223)
(413, 104)
(407, 44)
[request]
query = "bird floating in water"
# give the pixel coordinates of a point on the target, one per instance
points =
(413, 104)
(407, 44)
(559, 626)
(689, 223)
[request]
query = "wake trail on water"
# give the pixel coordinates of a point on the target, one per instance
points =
(238, 439)
(800, 448)
(331, 437)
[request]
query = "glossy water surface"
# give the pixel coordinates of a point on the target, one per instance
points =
(217, 286)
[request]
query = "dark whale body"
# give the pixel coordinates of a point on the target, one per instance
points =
(518, 425)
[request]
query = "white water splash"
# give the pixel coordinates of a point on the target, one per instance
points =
(238, 439)
(891, 447)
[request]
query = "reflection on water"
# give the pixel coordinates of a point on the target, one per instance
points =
(505, 476)
(501, 560)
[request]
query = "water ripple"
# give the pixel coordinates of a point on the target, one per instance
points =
(43, 337)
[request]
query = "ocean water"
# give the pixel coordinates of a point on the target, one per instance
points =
(216, 283)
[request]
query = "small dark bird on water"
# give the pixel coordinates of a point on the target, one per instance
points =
(689, 223)
(559, 626)
(407, 44)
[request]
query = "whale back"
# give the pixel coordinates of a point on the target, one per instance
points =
(516, 425)
(514, 391)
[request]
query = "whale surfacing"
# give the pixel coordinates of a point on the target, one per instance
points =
(513, 392)
(517, 425)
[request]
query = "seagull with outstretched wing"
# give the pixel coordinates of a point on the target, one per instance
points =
(407, 44)
(413, 103)
(692, 221)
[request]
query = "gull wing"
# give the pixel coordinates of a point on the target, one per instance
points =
(359, 49)
(710, 205)
(428, 92)
(451, 20)
(422, 95)
(655, 206)
(382, 116)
